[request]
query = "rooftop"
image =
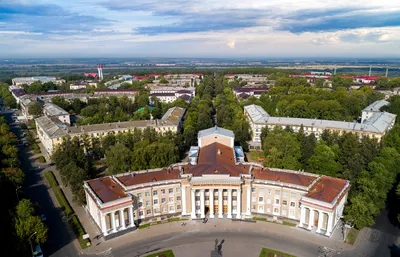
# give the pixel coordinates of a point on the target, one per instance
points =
(147, 177)
(53, 110)
(327, 189)
(106, 189)
(291, 177)
(376, 106)
(215, 130)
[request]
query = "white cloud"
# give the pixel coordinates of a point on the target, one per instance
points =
(231, 44)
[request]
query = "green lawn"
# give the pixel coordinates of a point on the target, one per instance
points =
(167, 253)
(352, 236)
(265, 252)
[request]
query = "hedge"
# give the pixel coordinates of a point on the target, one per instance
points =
(68, 211)
(50, 178)
(79, 231)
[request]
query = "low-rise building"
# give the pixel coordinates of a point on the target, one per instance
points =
(53, 111)
(29, 80)
(82, 85)
(51, 130)
(246, 92)
(171, 94)
(216, 184)
(374, 124)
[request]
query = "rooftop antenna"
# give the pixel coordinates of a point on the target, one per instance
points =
(387, 71)
(370, 67)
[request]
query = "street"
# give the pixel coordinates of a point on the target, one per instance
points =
(60, 239)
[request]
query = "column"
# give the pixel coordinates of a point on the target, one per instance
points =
(184, 200)
(239, 204)
(320, 218)
(220, 204)
(248, 211)
(229, 204)
(329, 227)
(131, 219)
(211, 203)
(311, 220)
(114, 227)
(202, 207)
(193, 201)
(302, 216)
(122, 218)
(103, 224)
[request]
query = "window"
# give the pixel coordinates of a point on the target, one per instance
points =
(260, 199)
(225, 198)
(171, 208)
(156, 210)
(171, 190)
(253, 190)
(253, 207)
(284, 212)
(206, 197)
(268, 210)
(178, 189)
(163, 200)
(139, 195)
(171, 199)
(261, 191)
(147, 194)
(178, 198)
(293, 195)
(178, 207)
(253, 199)
(284, 202)
(234, 198)
(155, 201)
(276, 201)
(277, 193)
(140, 204)
(162, 191)
(147, 203)
(215, 197)
(141, 213)
(148, 212)
(269, 201)
(276, 211)
(291, 214)
(164, 209)
(269, 191)
(284, 194)
(292, 204)
(155, 192)
(260, 208)
(197, 207)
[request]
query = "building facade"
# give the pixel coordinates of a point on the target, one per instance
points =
(374, 123)
(216, 183)
(51, 130)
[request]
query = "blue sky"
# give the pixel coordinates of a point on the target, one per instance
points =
(194, 28)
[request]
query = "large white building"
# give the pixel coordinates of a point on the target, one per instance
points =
(171, 94)
(374, 123)
(29, 80)
(217, 184)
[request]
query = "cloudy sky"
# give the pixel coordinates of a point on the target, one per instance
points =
(199, 28)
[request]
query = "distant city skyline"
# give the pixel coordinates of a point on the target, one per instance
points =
(181, 28)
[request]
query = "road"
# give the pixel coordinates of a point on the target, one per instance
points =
(59, 242)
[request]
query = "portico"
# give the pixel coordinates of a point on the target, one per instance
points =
(117, 220)
(216, 202)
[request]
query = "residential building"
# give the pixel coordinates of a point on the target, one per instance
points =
(25, 103)
(375, 123)
(216, 184)
(53, 111)
(246, 92)
(29, 80)
(51, 130)
(82, 85)
(170, 94)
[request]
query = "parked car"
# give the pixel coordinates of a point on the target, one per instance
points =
(37, 252)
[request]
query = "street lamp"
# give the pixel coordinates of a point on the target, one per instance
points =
(29, 239)
(16, 192)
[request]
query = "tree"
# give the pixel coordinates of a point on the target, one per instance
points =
(35, 109)
(282, 150)
(163, 81)
(26, 223)
(323, 161)
(119, 159)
